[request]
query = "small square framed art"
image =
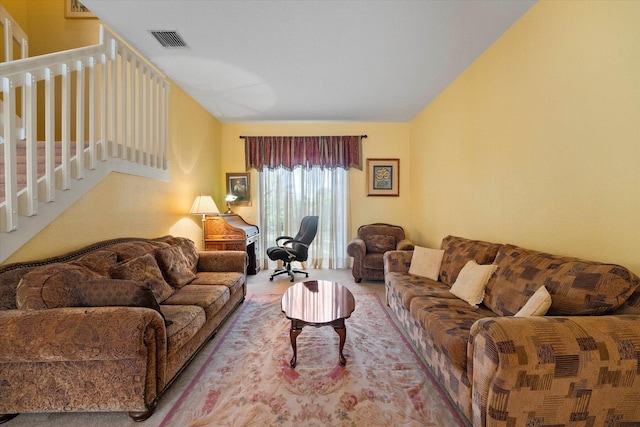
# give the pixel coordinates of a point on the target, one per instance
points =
(383, 177)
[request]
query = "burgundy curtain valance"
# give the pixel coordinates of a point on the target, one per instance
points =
(289, 152)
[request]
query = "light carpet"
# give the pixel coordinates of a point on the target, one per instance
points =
(247, 381)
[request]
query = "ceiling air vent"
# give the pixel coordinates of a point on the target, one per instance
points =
(168, 38)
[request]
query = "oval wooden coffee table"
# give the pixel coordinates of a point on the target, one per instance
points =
(317, 303)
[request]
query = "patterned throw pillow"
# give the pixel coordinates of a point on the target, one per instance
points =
(191, 253)
(425, 262)
(471, 282)
(577, 287)
(458, 251)
(379, 243)
(143, 269)
(99, 261)
(52, 286)
(118, 293)
(174, 266)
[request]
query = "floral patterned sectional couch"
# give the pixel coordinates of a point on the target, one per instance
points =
(110, 326)
(578, 365)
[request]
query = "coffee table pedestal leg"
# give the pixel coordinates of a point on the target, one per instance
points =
(341, 330)
(293, 335)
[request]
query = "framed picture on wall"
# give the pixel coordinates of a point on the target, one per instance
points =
(383, 177)
(238, 184)
(75, 9)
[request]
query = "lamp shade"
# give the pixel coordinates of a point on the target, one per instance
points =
(204, 205)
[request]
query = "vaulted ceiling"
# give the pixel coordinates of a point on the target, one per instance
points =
(286, 60)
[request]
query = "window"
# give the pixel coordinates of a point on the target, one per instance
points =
(286, 196)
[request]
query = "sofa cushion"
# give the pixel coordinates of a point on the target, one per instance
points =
(537, 305)
(186, 321)
(210, 297)
(143, 269)
(99, 261)
(632, 305)
(380, 243)
(458, 251)
(174, 266)
(409, 286)
(471, 282)
(447, 322)
(425, 262)
(52, 286)
(231, 280)
(577, 287)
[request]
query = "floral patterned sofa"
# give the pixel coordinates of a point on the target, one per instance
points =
(109, 327)
(579, 365)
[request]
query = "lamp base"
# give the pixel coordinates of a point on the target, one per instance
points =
(229, 211)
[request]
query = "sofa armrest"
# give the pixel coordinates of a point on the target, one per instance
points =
(356, 248)
(77, 333)
(223, 261)
(554, 370)
(66, 345)
(397, 261)
(405, 245)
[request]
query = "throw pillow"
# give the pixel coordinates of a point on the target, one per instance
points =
(113, 292)
(143, 269)
(425, 262)
(471, 282)
(174, 266)
(51, 286)
(99, 261)
(380, 243)
(537, 305)
(191, 253)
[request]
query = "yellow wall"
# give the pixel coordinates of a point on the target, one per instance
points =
(47, 28)
(384, 140)
(538, 142)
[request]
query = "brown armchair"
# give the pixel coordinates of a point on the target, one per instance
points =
(368, 248)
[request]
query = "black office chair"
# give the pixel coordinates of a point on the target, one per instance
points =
(290, 249)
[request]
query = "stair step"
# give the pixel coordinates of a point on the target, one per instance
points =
(21, 162)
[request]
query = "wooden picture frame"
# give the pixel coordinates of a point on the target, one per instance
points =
(75, 9)
(383, 177)
(239, 184)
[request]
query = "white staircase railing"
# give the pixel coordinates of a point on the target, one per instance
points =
(13, 35)
(107, 98)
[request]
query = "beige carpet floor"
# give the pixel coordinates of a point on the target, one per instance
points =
(258, 284)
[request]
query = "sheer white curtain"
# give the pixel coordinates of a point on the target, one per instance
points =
(287, 196)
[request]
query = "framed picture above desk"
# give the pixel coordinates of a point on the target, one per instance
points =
(239, 185)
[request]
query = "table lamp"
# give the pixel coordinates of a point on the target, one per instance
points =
(230, 199)
(204, 205)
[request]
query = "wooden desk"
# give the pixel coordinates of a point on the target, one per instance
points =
(229, 232)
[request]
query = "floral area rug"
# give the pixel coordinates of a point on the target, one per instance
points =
(247, 381)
